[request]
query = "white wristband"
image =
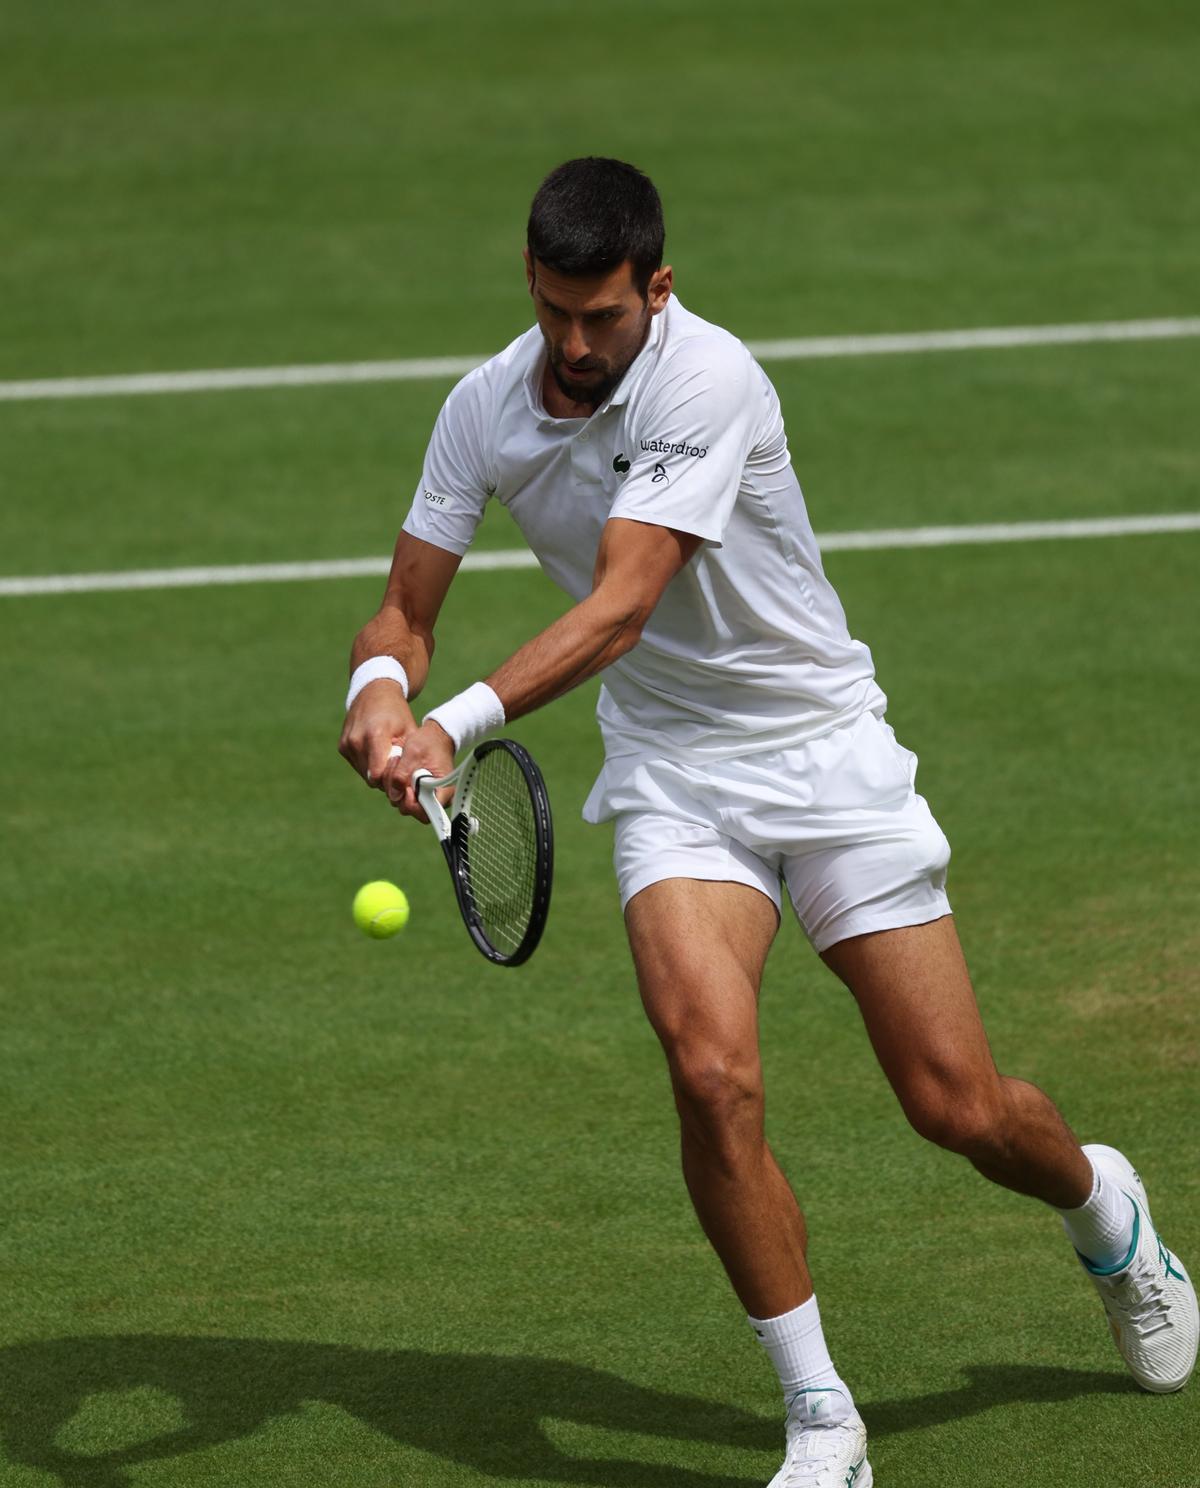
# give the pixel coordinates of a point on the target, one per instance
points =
(375, 669)
(469, 715)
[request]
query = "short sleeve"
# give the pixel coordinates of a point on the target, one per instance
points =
(455, 485)
(694, 433)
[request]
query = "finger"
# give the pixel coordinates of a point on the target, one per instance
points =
(408, 804)
(381, 758)
(403, 797)
(355, 752)
(391, 770)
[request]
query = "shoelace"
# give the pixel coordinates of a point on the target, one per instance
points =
(805, 1472)
(808, 1469)
(1141, 1301)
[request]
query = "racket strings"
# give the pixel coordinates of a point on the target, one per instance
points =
(500, 851)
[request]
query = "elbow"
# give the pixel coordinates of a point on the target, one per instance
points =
(619, 617)
(629, 631)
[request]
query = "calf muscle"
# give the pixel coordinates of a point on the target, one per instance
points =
(916, 999)
(699, 949)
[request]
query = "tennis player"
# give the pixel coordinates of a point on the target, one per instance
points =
(642, 453)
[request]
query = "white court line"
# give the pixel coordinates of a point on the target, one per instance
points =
(348, 568)
(426, 368)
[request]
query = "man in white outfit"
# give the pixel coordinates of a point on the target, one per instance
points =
(642, 453)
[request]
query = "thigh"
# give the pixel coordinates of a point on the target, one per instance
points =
(916, 999)
(652, 846)
(866, 855)
(699, 948)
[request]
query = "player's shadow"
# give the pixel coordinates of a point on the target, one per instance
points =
(990, 1385)
(481, 1410)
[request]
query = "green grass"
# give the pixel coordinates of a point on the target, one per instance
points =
(233, 1117)
(240, 185)
(285, 1206)
(330, 472)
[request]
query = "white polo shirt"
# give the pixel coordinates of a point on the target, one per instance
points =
(748, 648)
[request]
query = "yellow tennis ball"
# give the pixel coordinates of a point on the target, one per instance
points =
(380, 909)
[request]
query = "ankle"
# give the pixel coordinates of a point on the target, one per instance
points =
(813, 1391)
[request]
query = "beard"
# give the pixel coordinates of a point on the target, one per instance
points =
(604, 375)
(590, 393)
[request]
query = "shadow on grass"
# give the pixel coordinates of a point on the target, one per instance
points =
(483, 1411)
(990, 1385)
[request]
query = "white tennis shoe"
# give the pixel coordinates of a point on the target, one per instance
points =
(1148, 1296)
(823, 1452)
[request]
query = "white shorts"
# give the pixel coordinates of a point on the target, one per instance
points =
(837, 819)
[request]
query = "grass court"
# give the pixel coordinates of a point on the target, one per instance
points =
(283, 1206)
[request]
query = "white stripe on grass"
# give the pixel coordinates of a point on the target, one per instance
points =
(350, 568)
(424, 369)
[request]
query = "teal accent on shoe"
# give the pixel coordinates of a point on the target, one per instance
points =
(790, 1400)
(1132, 1251)
(854, 1472)
(1164, 1256)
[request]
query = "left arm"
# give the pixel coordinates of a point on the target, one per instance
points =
(635, 563)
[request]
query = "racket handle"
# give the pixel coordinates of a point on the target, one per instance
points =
(395, 751)
(426, 789)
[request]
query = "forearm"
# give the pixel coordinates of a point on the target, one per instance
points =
(578, 645)
(389, 634)
(379, 711)
(634, 564)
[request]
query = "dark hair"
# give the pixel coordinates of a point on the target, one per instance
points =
(592, 214)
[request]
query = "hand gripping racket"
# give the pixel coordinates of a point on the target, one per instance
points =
(499, 844)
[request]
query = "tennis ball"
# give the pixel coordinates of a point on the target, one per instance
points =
(380, 909)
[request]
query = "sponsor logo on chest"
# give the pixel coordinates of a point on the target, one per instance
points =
(663, 447)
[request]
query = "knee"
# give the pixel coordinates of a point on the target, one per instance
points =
(716, 1093)
(968, 1121)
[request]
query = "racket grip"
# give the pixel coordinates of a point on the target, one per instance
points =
(422, 783)
(395, 751)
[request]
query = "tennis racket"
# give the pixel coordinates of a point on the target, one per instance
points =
(499, 844)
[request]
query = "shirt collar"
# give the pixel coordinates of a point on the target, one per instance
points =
(533, 379)
(629, 384)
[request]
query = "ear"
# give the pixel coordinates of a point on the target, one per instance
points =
(529, 274)
(658, 291)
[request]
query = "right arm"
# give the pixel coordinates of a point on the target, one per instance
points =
(403, 628)
(446, 510)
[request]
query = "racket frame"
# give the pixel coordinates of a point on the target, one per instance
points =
(453, 829)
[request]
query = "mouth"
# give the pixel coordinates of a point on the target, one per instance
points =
(579, 374)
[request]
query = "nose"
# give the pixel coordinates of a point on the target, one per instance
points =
(575, 347)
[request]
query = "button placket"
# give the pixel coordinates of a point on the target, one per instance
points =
(584, 457)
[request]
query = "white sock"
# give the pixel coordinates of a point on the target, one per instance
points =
(1101, 1229)
(798, 1351)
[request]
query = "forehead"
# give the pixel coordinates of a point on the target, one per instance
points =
(586, 292)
